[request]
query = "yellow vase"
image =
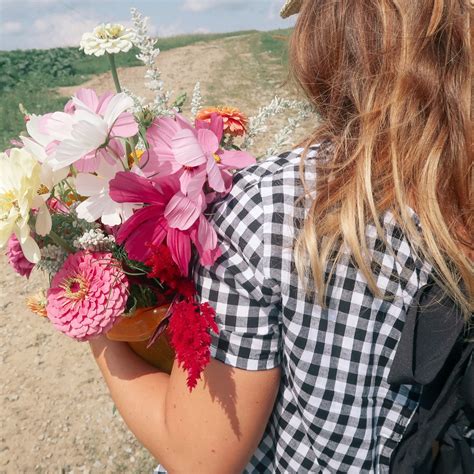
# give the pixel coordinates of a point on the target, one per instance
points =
(137, 330)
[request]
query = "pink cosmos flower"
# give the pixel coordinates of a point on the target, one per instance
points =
(17, 259)
(87, 99)
(87, 295)
(194, 153)
(88, 131)
(168, 214)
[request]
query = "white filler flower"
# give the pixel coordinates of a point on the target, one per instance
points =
(19, 185)
(107, 38)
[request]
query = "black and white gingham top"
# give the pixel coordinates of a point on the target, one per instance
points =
(335, 411)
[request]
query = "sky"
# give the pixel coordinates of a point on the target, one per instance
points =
(26, 24)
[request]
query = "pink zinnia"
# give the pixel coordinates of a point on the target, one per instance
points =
(17, 258)
(87, 295)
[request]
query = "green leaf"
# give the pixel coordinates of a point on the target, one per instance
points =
(180, 101)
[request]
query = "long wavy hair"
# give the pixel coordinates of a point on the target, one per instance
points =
(391, 80)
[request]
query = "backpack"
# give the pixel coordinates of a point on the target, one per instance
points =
(435, 353)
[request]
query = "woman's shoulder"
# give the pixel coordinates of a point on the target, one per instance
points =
(259, 193)
(278, 170)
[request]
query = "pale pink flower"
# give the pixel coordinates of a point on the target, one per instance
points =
(87, 295)
(84, 135)
(17, 258)
(87, 99)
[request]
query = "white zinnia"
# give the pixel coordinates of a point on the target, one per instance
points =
(19, 184)
(99, 205)
(111, 38)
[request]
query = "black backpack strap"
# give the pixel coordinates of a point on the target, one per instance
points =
(432, 353)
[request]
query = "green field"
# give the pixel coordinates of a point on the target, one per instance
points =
(31, 77)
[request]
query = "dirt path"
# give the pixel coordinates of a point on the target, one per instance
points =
(55, 413)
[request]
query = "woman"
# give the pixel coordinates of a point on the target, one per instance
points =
(324, 249)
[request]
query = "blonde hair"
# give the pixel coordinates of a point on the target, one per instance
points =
(391, 80)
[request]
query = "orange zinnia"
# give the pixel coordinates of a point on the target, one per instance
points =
(235, 122)
(37, 304)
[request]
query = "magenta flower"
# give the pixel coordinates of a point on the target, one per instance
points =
(87, 295)
(17, 258)
(194, 153)
(168, 214)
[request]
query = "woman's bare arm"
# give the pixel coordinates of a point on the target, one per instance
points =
(214, 429)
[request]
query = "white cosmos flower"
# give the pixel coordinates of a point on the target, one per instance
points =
(111, 38)
(19, 185)
(99, 205)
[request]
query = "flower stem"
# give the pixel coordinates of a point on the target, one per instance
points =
(113, 68)
(61, 242)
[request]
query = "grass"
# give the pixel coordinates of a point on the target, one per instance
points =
(39, 101)
(165, 44)
(30, 77)
(274, 43)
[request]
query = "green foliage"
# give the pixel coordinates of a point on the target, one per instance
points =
(54, 67)
(273, 43)
(180, 101)
(69, 227)
(36, 99)
(37, 65)
(165, 44)
(143, 290)
(141, 296)
(88, 66)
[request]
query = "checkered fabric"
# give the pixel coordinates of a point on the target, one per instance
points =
(335, 411)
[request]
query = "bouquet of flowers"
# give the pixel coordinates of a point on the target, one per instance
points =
(110, 196)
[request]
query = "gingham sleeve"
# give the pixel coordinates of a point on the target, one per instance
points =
(247, 303)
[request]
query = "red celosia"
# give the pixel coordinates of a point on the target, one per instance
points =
(190, 322)
(165, 269)
(163, 266)
(189, 328)
(186, 288)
